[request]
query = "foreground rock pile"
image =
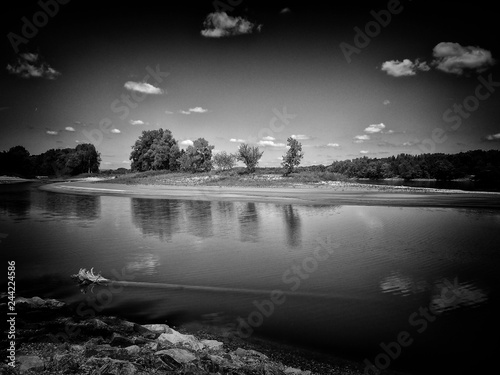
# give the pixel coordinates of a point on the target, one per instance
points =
(50, 339)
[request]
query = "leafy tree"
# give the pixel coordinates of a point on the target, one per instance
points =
(84, 159)
(155, 149)
(197, 158)
(249, 155)
(224, 161)
(293, 156)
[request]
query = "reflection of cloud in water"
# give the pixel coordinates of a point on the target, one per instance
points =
(399, 284)
(370, 221)
(451, 295)
(143, 263)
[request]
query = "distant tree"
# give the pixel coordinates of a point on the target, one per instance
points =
(155, 149)
(249, 155)
(84, 159)
(224, 161)
(197, 158)
(16, 161)
(293, 155)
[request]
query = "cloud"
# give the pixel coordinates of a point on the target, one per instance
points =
(115, 131)
(300, 137)
(69, 128)
(219, 24)
(237, 140)
(332, 145)
(364, 152)
(375, 128)
(454, 58)
(285, 10)
(386, 102)
(52, 132)
(361, 138)
(269, 138)
(126, 162)
(186, 142)
(137, 122)
(265, 143)
(493, 137)
(143, 87)
(30, 65)
(403, 68)
(198, 110)
(185, 112)
(169, 113)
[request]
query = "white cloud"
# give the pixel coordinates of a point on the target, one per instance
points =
(269, 138)
(361, 138)
(186, 142)
(30, 65)
(493, 137)
(237, 140)
(386, 102)
(69, 128)
(115, 131)
(265, 143)
(126, 162)
(390, 131)
(375, 128)
(285, 10)
(364, 152)
(185, 112)
(143, 87)
(454, 58)
(332, 145)
(198, 110)
(52, 132)
(403, 68)
(137, 122)
(300, 137)
(169, 113)
(219, 24)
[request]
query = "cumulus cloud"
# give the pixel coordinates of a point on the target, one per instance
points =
(265, 143)
(269, 138)
(198, 110)
(386, 102)
(186, 142)
(403, 68)
(143, 87)
(30, 65)
(219, 24)
(237, 140)
(115, 131)
(361, 138)
(69, 128)
(184, 112)
(375, 128)
(332, 145)
(300, 137)
(285, 10)
(137, 122)
(169, 112)
(493, 137)
(52, 132)
(454, 58)
(364, 152)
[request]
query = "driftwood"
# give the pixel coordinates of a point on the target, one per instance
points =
(86, 279)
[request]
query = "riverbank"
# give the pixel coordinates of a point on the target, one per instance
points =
(329, 193)
(51, 338)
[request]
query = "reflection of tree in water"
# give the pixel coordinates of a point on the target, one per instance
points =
(15, 201)
(293, 232)
(199, 218)
(81, 207)
(249, 222)
(156, 217)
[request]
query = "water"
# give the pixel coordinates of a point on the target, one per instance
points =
(341, 280)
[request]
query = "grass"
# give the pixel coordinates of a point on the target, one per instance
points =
(263, 177)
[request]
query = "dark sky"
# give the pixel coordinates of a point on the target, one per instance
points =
(252, 71)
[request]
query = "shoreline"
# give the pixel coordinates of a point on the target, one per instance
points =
(340, 193)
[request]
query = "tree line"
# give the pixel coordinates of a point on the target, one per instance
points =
(17, 161)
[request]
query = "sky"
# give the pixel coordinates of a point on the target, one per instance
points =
(347, 80)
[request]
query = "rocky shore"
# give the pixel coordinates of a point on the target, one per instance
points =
(52, 339)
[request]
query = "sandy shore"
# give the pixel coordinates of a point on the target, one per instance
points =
(334, 194)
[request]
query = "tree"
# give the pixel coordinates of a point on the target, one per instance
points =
(155, 149)
(293, 156)
(249, 155)
(224, 161)
(84, 159)
(198, 157)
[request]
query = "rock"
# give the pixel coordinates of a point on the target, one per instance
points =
(295, 371)
(29, 362)
(110, 366)
(77, 348)
(158, 328)
(212, 344)
(133, 350)
(249, 353)
(97, 324)
(152, 346)
(144, 332)
(175, 338)
(179, 355)
(38, 303)
(119, 340)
